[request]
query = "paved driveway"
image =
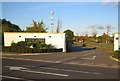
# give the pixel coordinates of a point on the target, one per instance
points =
(91, 57)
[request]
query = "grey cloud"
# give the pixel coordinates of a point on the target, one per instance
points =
(96, 26)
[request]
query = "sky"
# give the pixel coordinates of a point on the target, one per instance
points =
(80, 17)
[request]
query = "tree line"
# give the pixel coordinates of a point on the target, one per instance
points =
(104, 38)
(7, 26)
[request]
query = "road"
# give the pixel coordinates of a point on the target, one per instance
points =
(89, 64)
(30, 70)
(90, 57)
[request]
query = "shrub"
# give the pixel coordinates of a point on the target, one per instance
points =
(116, 54)
(24, 47)
(20, 44)
(28, 44)
(13, 44)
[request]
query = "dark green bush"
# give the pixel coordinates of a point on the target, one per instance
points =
(116, 54)
(28, 44)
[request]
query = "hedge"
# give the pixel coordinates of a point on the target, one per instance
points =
(16, 49)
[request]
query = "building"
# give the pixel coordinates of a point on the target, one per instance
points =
(116, 41)
(55, 39)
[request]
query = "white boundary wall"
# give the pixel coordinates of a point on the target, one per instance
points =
(116, 41)
(55, 39)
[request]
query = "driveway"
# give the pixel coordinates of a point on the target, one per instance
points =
(80, 48)
(87, 56)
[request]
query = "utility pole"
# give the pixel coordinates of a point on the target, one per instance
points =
(58, 26)
(52, 20)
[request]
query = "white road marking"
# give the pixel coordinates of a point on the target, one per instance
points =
(89, 58)
(29, 59)
(56, 74)
(17, 68)
(59, 61)
(23, 69)
(94, 57)
(10, 77)
(40, 60)
(64, 70)
(71, 58)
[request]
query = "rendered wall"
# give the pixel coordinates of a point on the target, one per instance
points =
(55, 39)
(116, 41)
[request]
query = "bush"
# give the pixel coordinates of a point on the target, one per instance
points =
(24, 47)
(28, 44)
(116, 54)
(20, 44)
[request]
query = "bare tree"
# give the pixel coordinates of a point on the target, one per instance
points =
(94, 31)
(86, 33)
(108, 29)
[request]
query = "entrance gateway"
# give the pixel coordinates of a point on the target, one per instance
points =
(58, 40)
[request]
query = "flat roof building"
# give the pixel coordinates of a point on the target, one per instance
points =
(55, 39)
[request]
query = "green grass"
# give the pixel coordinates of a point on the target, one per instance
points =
(103, 46)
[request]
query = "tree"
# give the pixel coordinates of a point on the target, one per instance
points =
(99, 38)
(36, 27)
(69, 33)
(7, 26)
(105, 38)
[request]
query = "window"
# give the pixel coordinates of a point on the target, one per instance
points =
(49, 36)
(34, 36)
(19, 36)
(117, 38)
